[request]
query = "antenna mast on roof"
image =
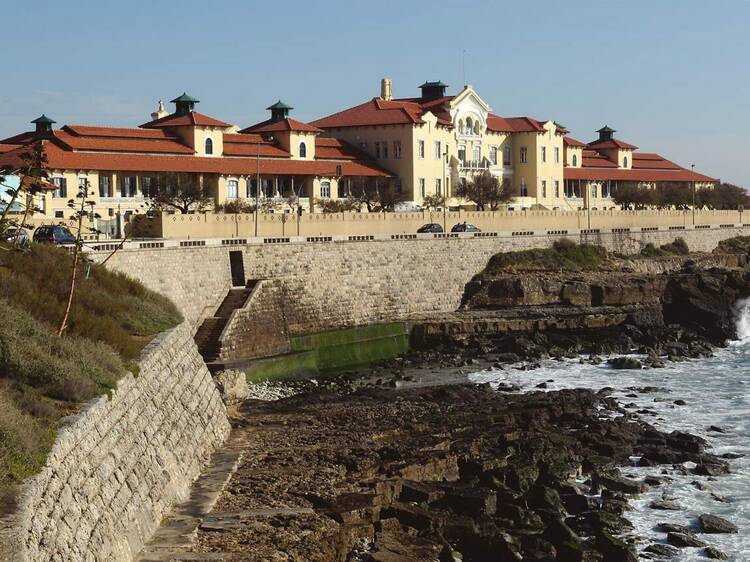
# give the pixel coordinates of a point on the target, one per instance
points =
(463, 65)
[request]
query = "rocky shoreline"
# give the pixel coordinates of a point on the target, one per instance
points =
(407, 461)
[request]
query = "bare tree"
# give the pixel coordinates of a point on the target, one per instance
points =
(433, 201)
(485, 190)
(181, 191)
(378, 195)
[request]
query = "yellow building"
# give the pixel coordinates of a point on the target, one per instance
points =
(417, 146)
(290, 161)
(433, 141)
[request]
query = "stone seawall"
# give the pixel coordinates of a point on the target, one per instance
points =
(328, 285)
(123, 461)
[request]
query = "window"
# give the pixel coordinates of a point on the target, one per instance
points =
(420, 149)
(593, 191)
(438, 154)
(544, 188)
(493, 155)
(476, 127)
(469, 125)
(377, 150)
(625, 162)
(557, 155)
(302, 150)
(59, 214)
(524, 188)
(42, 203)
(507, 156)
(385, 149)
(462, 154)
(250, 188)
(606, 189)
(476, 155)
(557, 188)
(209, 146)
(146, 184)
(325, 189)
(524, 155)
(127, 187)
(544, 154)
(421, 188)
(461, 126)
(575, 160)
(438, 186)
(61, 187)
(232, 189)
(397, 149)
(105, 185)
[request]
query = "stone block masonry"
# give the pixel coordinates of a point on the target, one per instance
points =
(326, 285)
(124, 460)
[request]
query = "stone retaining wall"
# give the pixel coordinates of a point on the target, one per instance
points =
(336, 284)
(123, 461)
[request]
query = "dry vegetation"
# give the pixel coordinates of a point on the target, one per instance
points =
(44, 377)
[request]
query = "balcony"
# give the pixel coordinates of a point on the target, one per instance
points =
(474, 165)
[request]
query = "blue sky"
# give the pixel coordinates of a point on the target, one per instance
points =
(671, 76)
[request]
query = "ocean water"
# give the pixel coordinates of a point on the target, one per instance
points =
(717, 393)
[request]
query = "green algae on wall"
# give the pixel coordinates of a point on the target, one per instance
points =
(322, 352)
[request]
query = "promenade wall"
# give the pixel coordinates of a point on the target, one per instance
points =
(212, 225)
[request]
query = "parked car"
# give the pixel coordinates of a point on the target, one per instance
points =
(54, 234)
(464, 227)
(10, 236)
(430, 227)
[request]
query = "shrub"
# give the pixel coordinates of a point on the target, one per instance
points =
(679, 246)
(564, 254)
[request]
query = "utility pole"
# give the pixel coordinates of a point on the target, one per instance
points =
(257, 189)
(692, 169)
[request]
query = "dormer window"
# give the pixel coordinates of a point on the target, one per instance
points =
(625, 162)
(302, 150)
(575, 160)
(209, 146)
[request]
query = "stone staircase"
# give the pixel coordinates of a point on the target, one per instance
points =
(207, 335)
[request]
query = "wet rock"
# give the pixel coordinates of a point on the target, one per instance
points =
(665, 505)
(683, 540)
(662, 550)
(715, 524)
(711, 468)
(672, 528)
(680, 403)
(624, 363)
(714, 553)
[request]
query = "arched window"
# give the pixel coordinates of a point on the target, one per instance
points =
(461, 126)
(575, 160)
(325, 189)
(476, 127)
(302, 150)
(469, 125)
(625, 162)
(209, 146)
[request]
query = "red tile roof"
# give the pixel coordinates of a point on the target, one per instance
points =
(288, 124)
(570, 141)
(335, 149)
(680, 175)
(21, 138)
(59, 158)
(102, 143)
(647, 160)
(251, 145)
(192, 118)
(593, 159)
(120, 132)
(612, 143)
(374, 112)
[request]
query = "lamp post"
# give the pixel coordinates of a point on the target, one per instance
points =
(692, 169)
(445, 190)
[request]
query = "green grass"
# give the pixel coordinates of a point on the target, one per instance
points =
(44, 377)
(564, 255)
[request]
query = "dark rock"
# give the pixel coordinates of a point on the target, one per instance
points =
(662, 550)
(624, 363)
(714, 553)
(682, 540)
(716, 429)
(711, 468)
(666, 505)
(680, 403)
(715, 524)
(672, 528)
